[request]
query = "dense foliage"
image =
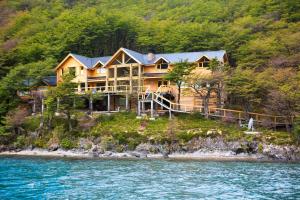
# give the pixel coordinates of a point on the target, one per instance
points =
(257, 35)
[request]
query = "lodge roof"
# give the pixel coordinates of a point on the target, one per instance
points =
(143, 59)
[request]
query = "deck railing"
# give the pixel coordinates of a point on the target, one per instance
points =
(223, 113)
(112, 89)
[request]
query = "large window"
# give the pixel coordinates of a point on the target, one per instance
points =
(101, 70)
(111, 73)
(123, 72)
(135, 71)
(162, 64)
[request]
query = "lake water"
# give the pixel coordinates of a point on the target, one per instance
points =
(40, 178)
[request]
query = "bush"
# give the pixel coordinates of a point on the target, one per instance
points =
(40, 143)
(67, 143)
(296, 130)
(31, 123)
(107, 143)
(260, 148)
(20, 142)
(105, 118)
(189, 134)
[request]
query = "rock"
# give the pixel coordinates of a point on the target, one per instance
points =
(94, 148)
(147, 148)
(30, 147)
(3, 148)
(84, 143)
(108, 153)
(53, 147)
(97, 140)
(135, 154)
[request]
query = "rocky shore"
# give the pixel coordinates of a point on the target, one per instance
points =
(200, 149)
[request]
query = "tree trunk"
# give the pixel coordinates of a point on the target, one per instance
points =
(206, 104)
(219, 95)
(178, 96)
(69, 121)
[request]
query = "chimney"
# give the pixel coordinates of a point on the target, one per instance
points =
(150, 56)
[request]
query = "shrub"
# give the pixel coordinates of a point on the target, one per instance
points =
(296, 130)
(20, 141)
(40, 143)
(107, 143)
(105, 118)
(67, 143)
(260, 148)
(31, 123)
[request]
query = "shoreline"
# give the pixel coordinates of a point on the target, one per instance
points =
(196, 156)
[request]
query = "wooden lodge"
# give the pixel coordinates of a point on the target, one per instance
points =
(127, 74)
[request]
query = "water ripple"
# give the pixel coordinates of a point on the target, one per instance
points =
(37, 178)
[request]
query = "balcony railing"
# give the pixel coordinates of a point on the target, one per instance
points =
(112, 89)
(95, 78)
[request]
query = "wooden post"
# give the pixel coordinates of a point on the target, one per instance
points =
(152, 109)
(139, 79)
(34, 106)
(170, 114)
(143, 106)
(79, 88)
(115, 75)
(43, 106)
(42, 109)
(139, 108)
(86, 86)
(127, 102)
(108, 102)
(130, 78)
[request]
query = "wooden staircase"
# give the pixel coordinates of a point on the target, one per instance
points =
(234, 115)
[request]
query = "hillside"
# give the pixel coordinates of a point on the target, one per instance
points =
(261, 38)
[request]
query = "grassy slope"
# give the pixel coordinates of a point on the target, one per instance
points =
(123, 129)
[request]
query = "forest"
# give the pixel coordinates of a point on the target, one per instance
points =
(261, 37)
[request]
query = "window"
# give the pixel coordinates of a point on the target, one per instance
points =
(135, 71)
(62, 71)
(101, 70)
(81, 70)
(162, 82)
(72, 71)
(162, 64)
(111, 73)
(123, 72)
(203, 62)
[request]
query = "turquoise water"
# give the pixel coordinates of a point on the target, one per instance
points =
(40, 178)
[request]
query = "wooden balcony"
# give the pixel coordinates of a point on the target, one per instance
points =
(122, 89)
(96, 78)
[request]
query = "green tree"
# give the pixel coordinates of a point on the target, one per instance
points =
(177, 74)
(61, 100)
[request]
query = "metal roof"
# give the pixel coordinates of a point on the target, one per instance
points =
(143, 58)
(90, 62)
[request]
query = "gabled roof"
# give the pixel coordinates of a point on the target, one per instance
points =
(86, 62)
(133, 54)
(161, 58)
(188, 56)
(143, 59)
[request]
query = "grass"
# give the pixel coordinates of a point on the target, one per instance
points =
(123, 131)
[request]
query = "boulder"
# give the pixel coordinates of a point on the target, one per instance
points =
(147, 148)
(53, 147)
(84, 143)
